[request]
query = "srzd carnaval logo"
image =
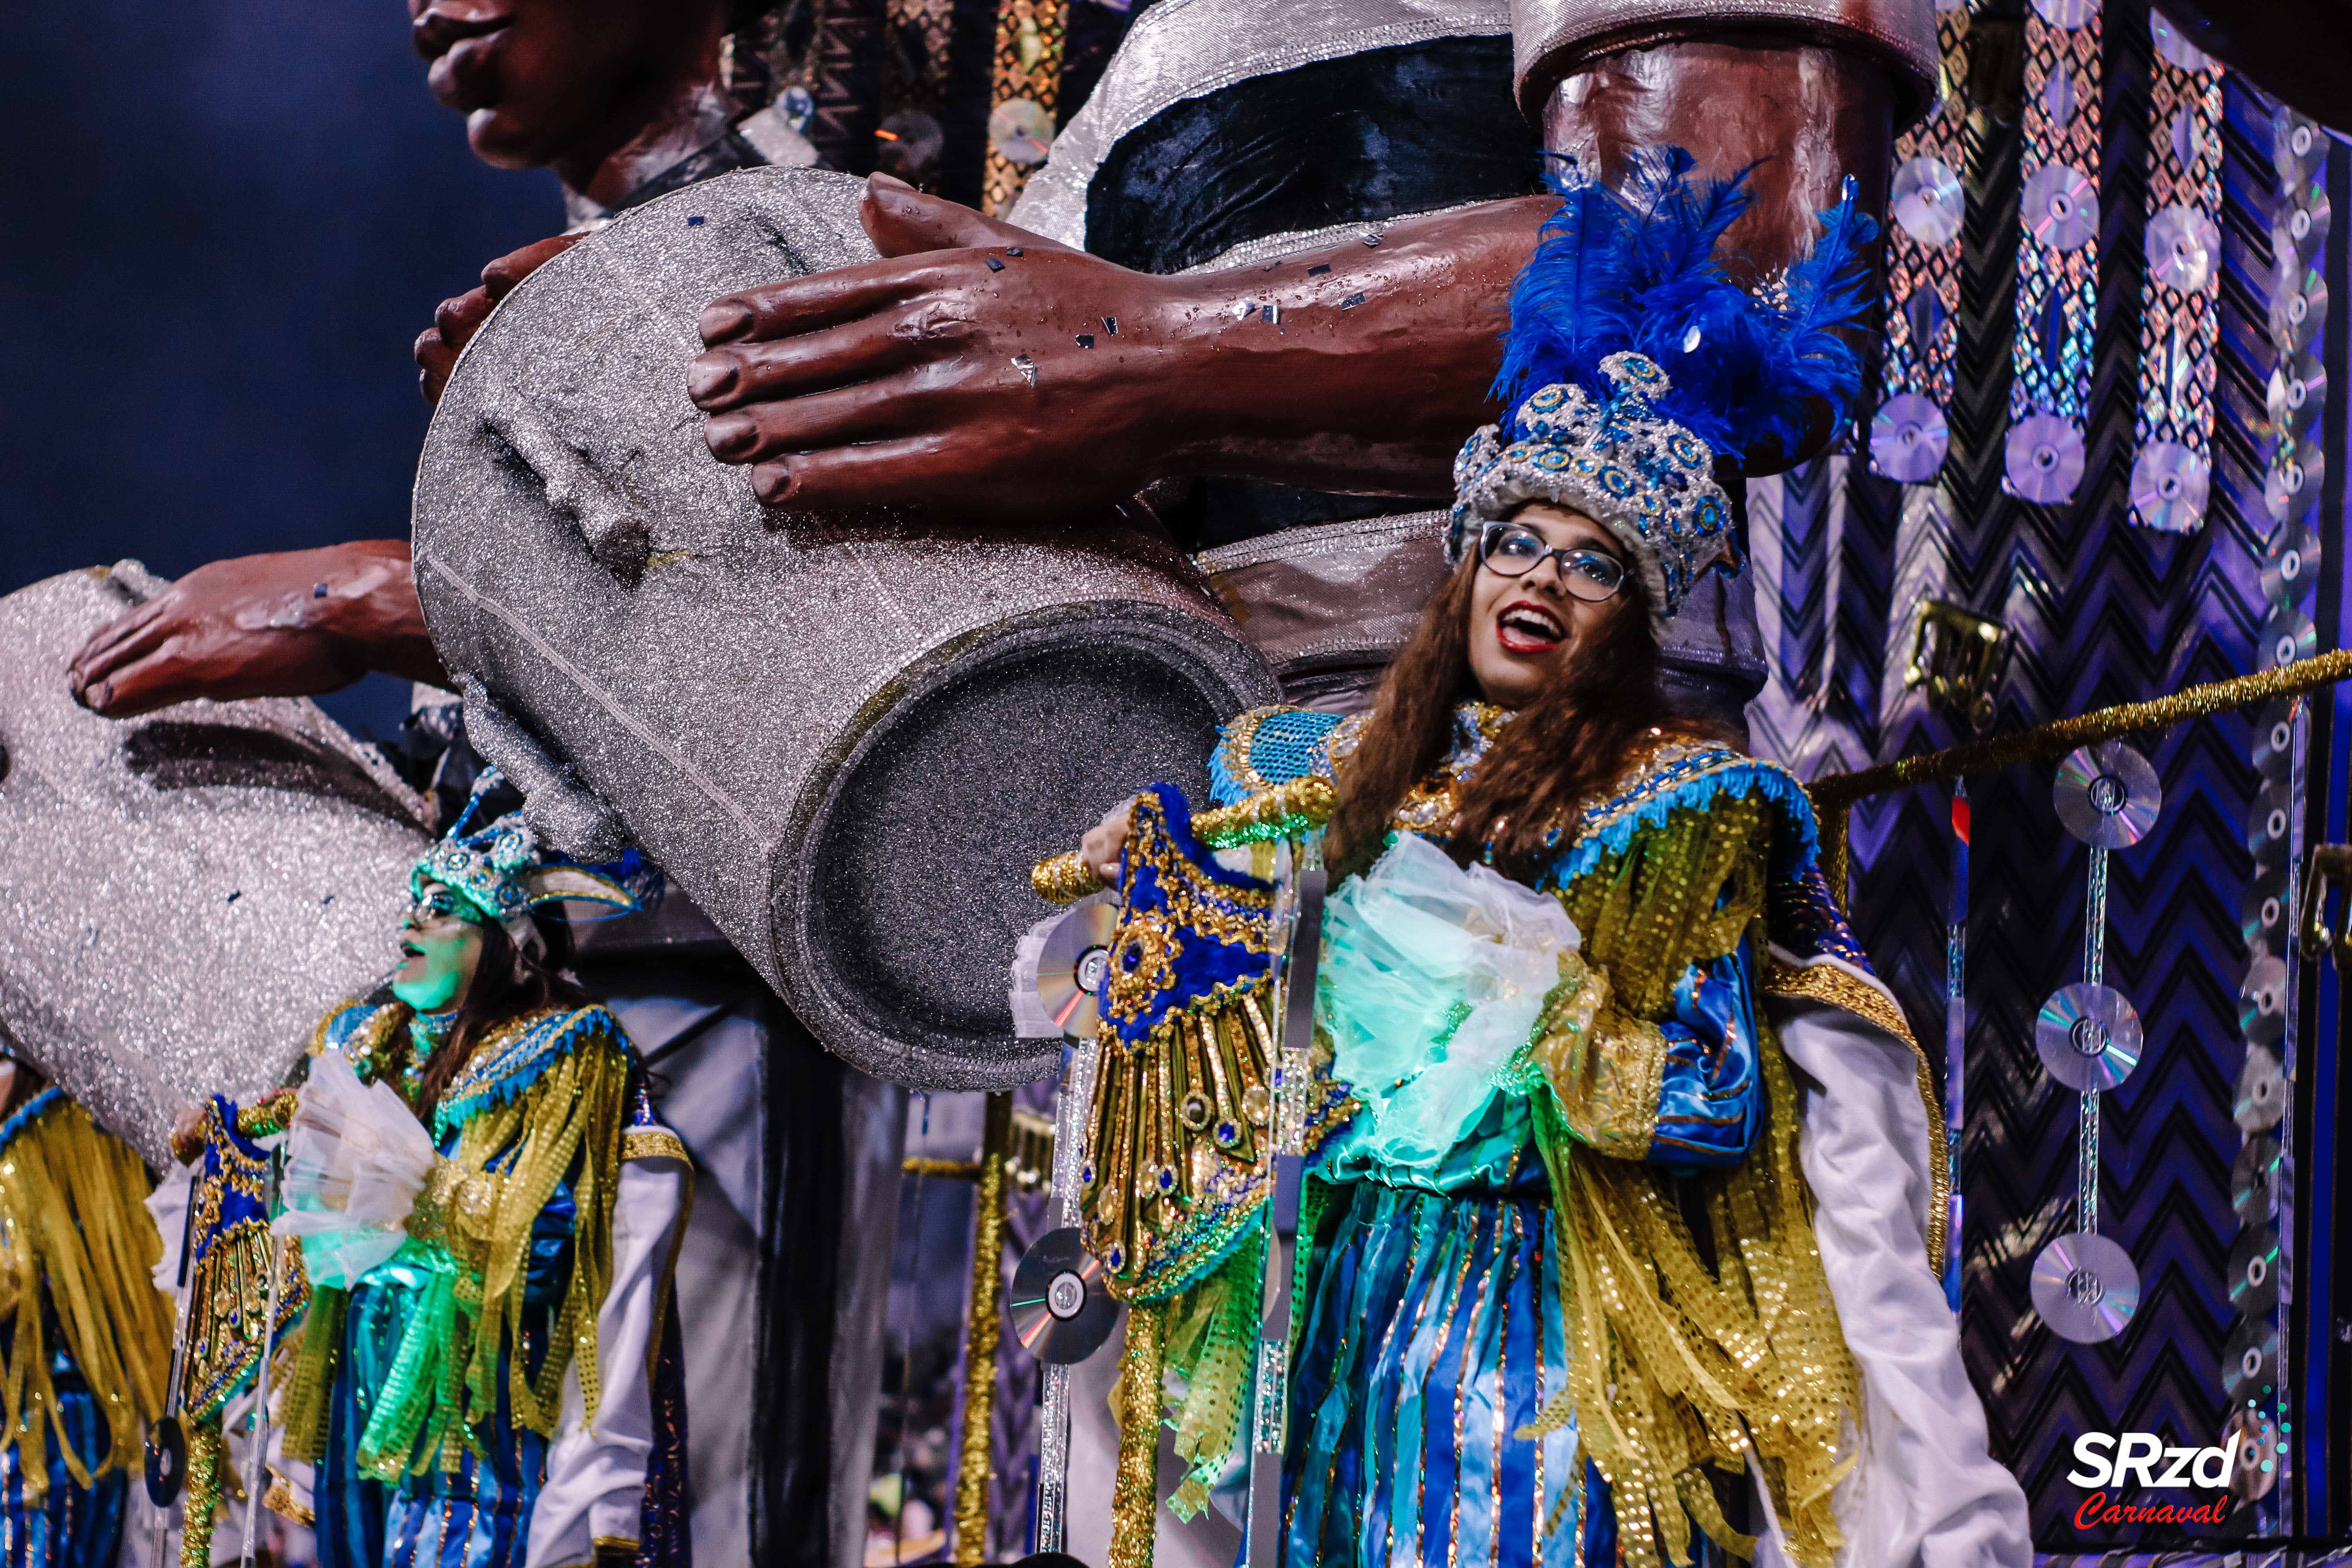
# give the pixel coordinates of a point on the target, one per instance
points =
(2111, 1459)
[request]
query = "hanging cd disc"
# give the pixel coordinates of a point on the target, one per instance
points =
(2295, 480)
(2298, 307)
(2107, 795)
(2262, 912)
(2257, 1433)
(2261, 1091)
(2182, 247)
(2170, 484)
(2253, 1271)
(2300, 228)
(2290, 565)
(2085, 1288)
(2261, 1001)
(2174, 46)
(2273, 734)
(2249, 1363)
(2087, 1037)
(1059, 1307)
(2270, 823)
(2060, 206)
(2286, 636)
(1927, 200)
(2298, 390)
(1908, 439)
(2251, 1175)
(2042, 458)
(1072, 966)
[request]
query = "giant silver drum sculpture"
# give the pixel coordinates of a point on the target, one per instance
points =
(183, 896)
(846, 739)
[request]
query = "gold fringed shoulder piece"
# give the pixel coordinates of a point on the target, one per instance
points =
(1826, 980)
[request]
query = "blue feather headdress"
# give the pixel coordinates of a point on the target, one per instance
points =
(1633, 362)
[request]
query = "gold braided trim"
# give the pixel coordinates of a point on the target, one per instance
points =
(654, 1143)
(983, 1333)
(280, 1501)
(76, 1228)
(1135, 1485)
(1827, 981)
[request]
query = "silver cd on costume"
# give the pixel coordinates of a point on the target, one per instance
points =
(2066, 14)
(2286, 636)
(1059, 1308)
(2087, 1037)
(2298, 307)
(2182, 245)
(2085, 1288)
(2293, 482)
(2253, 1271)
(2274, 728)
(2262, 914)
(2270, 824)
(1908, 439)
(2043, 458)
(2261, 1001)
(2261, 1098)
(2300, 229)
(2257, 1433)
(1020, 132)
(2298, 390)
(2173, 45)
(2060, 206)
(2251, 1175)
(1927, 200)
(2107, 795)
(2249, 1363)
(1071, 969)
(2170, 484)
(2290, 565)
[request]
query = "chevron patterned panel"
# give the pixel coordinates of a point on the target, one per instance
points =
(2103, 612)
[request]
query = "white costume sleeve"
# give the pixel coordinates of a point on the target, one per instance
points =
(1926, 1493)
(596, 1481)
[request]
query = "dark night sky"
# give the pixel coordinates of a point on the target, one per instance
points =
(222, 225)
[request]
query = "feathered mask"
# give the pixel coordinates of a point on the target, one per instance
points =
(1633, 364)
(499, 877)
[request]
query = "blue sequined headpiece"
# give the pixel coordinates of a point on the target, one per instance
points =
(1633, 362)
(498, 874)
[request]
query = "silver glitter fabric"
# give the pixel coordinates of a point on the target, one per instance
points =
(182, 896)
(847, 740)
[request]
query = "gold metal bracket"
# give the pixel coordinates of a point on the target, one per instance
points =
(1958, 658)
(2324, 865)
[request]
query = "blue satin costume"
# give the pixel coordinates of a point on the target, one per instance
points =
(1432, 1324)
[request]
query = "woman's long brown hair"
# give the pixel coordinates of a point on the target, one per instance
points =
(508, 981)
(1573, 740)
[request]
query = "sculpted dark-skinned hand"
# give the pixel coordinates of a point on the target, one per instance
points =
(981, 371)
(289, 625)
(456, 321)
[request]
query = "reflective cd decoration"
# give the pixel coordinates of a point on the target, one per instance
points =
(2298, 148)
(1071, 969)
(2253, 1271)
(1059, 1307)
(2273, 730)
(2087, 1037)
(2262, 914)
(2085, 1288)
(2068, 15)
(2250, 1176)
(2256, 1431)
(2290, 566)
(2261, 1098)
(2172, 46)
(1927, 200)
(2295, 480)
(2108, 795)
(2170, 484)
(1908, 439)
(2298, 390)
(2183, 247)
(2286, 635)
(2060, 206)
(2298, 307)
(2301, 227)
(2261, 1001)
(1020, 132)
(2249, 1363)
(2270, 823)
(2043, 458)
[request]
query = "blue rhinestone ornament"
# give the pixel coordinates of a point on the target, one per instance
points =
(1648, 480)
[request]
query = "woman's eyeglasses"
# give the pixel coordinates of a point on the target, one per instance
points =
(1513, 550)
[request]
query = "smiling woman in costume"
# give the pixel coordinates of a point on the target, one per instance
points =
(483, 1378)
(1624, 1212)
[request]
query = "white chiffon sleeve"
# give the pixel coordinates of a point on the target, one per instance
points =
(594, 1490)
(1926, 1492)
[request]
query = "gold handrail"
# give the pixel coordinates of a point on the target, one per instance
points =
(1834, 796)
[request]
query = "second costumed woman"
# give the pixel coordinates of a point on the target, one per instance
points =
(1624, 1218)
(488, 1374)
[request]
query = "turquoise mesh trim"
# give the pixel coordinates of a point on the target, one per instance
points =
(1267, 747)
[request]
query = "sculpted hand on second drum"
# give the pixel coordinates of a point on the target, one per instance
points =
(983, 371)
